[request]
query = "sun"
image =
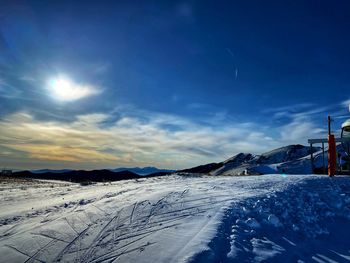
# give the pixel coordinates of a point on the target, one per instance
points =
(64, 89)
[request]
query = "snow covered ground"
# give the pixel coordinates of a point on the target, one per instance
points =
(177, 219)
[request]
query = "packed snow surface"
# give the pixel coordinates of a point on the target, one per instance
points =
(177, 218)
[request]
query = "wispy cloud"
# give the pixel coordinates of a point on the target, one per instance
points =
(298, 111)
(300, 129)
(127, 141)
(288, 108)
(9, 91)
(128, 136)
(300, 122)
(311, 112)
(345, 103)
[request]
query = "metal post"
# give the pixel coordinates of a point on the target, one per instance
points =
(324, 163)
(332, 156)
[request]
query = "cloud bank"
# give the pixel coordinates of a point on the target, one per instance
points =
(102, 140)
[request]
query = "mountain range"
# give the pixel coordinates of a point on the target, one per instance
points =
(291, 159)
(143, 171)
(136, 170)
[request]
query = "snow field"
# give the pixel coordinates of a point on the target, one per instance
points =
(177, 219)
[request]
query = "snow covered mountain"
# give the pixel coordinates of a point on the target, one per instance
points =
(288, 159)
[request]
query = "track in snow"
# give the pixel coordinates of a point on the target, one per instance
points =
(171, 219)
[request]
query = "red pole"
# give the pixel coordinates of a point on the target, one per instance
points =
(332, 151)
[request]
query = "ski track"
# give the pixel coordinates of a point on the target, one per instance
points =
(176, 217)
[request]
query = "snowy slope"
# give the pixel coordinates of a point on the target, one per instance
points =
(284, 154)
(174, 219)
(306, 222)
(236, 162)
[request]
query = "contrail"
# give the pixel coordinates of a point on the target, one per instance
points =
(233, 57)
(340, 117)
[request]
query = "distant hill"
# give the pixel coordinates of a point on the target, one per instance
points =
(142, 171)
(287, 159)
(137, 170)
(84, 176)
(42, 171)
(205, 168)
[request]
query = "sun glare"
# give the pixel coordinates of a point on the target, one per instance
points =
(65, 89)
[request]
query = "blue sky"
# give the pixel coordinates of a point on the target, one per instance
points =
(173, 84)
